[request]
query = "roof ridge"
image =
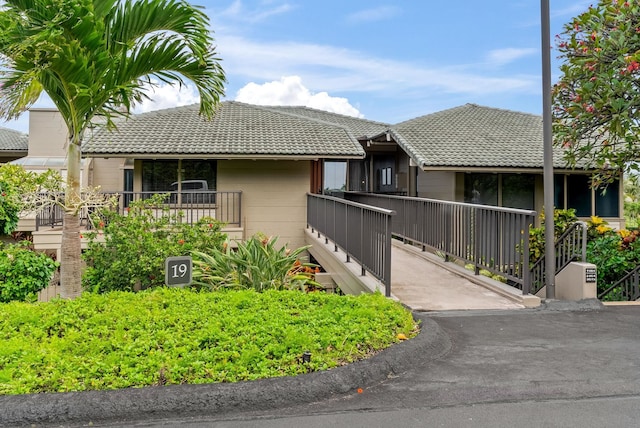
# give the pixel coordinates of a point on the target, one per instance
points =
(466, 107)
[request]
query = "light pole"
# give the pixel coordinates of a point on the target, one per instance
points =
(549, 252)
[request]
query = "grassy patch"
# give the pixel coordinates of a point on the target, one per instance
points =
(174, 336)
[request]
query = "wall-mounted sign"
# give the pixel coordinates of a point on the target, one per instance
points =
(591, 275)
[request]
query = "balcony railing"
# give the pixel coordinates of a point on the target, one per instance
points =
(225, 207)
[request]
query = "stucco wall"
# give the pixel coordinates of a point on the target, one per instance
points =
(47, 133)
(273, 196)
(108, 174)
(437, 185)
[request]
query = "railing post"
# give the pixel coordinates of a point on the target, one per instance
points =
(387, 256)
(526, 272)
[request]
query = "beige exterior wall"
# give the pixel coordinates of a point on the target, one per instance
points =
(273, 196)
(47, 133)
(108, 174)
(437, 185)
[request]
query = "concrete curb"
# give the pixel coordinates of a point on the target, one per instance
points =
(200, 400)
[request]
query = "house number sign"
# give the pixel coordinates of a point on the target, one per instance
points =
(177, 271)
(591, 275)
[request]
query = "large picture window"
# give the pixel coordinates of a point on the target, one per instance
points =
(505, 190)
(518, 191)
(166, 175)
(581, 197)
(481, 189)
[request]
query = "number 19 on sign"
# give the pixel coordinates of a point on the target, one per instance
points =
(178, 271)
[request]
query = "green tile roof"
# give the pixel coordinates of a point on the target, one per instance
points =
(13, 141)
(237, 129)
(475, 136)
(358, 126)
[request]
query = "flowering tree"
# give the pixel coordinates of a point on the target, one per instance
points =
(597, 99)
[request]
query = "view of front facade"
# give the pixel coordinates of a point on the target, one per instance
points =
(251, 166)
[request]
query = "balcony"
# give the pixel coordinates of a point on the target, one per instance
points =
(190, 207)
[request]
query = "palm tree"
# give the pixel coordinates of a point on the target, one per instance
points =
(95, 59)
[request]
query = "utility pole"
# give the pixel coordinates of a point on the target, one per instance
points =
(549, 239)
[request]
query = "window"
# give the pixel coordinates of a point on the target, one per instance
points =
(160, 175)
(518, 191)
(607, 200)
(558, 191)
(481, 189)
(335, 175)
(579, 194)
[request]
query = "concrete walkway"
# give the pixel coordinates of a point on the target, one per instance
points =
(424, 282)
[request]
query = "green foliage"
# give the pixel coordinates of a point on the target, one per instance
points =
(15, 182)
(612, 262)
(95, 60)
(177, 336)
(631, 200)
(562, 220)
(258, 264)
(23, 272)
(128, 252)
(597, 99)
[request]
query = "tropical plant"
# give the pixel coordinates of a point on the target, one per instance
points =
(127, 252)
(597, 99)
(17, 188)
(23, 272)
(562, 219)
(258, 264)
(95, 59)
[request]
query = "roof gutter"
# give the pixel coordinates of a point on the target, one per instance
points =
(218, 156)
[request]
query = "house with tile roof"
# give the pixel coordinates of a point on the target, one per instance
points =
(268, 157)
(13, 145)
(271, 157)
(491, 156)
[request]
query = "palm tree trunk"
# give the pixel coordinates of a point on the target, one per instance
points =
(70, 257)
(70, 264)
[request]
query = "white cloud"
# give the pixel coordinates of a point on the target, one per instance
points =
(289, 90)
(372, 15)
(500, 57)
(339, 70)
(238, 12)
(164, 96)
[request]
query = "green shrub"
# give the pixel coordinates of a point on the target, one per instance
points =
(15, 181)
(562, 220)
(128, 252)
(258, 264)
(177, 336)
(23, 272)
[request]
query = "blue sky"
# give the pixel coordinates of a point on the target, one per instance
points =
(382, 60)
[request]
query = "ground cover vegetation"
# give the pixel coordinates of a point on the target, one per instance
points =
(176, 336)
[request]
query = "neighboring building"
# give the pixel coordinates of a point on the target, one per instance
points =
(13, 145)
(269, 157)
